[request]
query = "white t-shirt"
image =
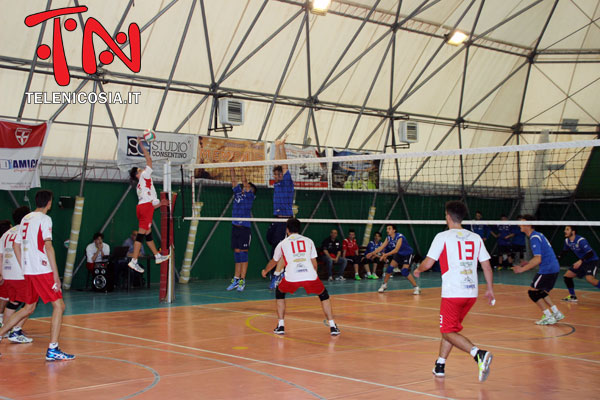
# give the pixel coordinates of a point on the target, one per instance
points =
(297, 252)
(458, 251)
(11, 269)
(145, 188)
(34, 230)
(91, 249)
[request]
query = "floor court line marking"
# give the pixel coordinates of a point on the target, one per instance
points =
(260, 361)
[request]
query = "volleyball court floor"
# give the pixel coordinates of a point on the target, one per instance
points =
(214, 344)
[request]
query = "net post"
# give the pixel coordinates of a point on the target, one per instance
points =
(162, 294)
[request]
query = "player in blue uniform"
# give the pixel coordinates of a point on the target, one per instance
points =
(241, 234)
(503, 235)
(283, 197)
(544, 280)
(482, 230)
(518, 243)
(586, 267)
(397, 246)
(376, 259)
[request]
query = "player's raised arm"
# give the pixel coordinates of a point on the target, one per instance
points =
(280, 153)
(145, 152)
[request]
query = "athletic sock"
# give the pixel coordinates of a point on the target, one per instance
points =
(441, 360)
(134, 260)
(547, 312)
(280, 323)
(53, 345)
(571, 291)
(474, 351)
(236, 277)
(331, 323)
(554, 309)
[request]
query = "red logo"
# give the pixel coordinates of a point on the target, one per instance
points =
(91, 27)
(22, 135)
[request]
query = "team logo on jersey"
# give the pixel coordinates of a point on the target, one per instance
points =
(22, 135)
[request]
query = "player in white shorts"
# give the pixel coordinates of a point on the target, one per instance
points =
(298, 255)
(145, 211)
(35, 254)
(458, 251)
(13, 287)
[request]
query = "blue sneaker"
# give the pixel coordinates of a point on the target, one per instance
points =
(234, 283)
(241, 285)
(275, 281)
(57, 355)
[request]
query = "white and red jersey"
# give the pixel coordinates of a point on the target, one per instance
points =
(11, 270)
(35, 229)
(350, 247)
(297, 252)
(145, 188)
(458, 251)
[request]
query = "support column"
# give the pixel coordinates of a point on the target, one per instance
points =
(369, 227)
(73, 240)
(184, 276)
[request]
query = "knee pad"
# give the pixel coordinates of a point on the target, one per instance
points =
(405, 272)
(389, 269)
(279, 295)
(536, 295)
(324, 296)
(243, 256)
(13, 305)
(139, 237)
(236, 257)
(149, 237)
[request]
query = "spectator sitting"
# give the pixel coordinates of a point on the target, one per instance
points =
(121, 266)
(97, 251)
(332, 254)
(129, 243)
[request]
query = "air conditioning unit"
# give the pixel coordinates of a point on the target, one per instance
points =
(408, 131)
(231, 112)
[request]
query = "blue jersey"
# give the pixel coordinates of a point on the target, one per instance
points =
(283, 196)
(580, 247)
(372, 246)
(405, 249)
(540, 246)
(482, 230)
(519, 238)
(503, 232)
(242, 205)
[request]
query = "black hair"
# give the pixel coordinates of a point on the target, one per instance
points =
(133, 173)
(478, 212)
(378, 233)
(573, 228)
(504, 216)
(98, 235)
(253, 186)
(293, 225)
(392, 225)
(42, 198)
(278, 168)
(19, 213)
(4, 226)
(351, 231)
(456, 210)
(528, 217)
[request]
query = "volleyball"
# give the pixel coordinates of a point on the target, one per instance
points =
(149, 135)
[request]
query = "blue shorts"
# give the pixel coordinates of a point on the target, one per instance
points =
(403, 259)
(586, 268)
(240, 237)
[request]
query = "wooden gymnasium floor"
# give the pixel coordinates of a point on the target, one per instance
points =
(218, 345)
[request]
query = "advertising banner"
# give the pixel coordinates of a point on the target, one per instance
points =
(355, 175)
(304, 175)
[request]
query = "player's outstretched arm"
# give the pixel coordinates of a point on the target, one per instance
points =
(489, 279)
(426, 264)
(281, 154)
(145, 152)
(379, 249)
(395, 249)
(270, 265)
(534, 262)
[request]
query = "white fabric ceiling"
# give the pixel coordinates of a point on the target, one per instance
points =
(553, 90)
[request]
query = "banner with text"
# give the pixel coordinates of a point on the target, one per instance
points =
(213, 150)
(355, 175)
(175, 147)
(21, 147)
(303, 175)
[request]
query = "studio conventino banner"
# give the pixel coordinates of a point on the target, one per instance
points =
(21, 147)
(175, 147)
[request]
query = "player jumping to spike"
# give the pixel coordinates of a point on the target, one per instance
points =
(458, 251)
(587, 265)
(145, 210)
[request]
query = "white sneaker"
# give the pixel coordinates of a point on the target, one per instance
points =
(159, 258)
(397, 270)
(382, 288)
(340, 278)
(330, 278)
(417, 290)
(18, 337)
(135, 266)
(546, 320)
(558, 316)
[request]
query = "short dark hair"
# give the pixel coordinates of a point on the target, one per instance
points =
(528, 217)
(504, 216)
(378, 233)
(392, 225)
(4, 226)
(98, 235)
(293, 225)
(19, 213)
(253, 186)
(573, 228)
(278, 168)
(478, 212)
(133, 173)
(456, 210)
(351, 231)
(42, 198)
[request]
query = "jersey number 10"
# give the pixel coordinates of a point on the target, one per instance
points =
(301, 247)
(469, 250)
